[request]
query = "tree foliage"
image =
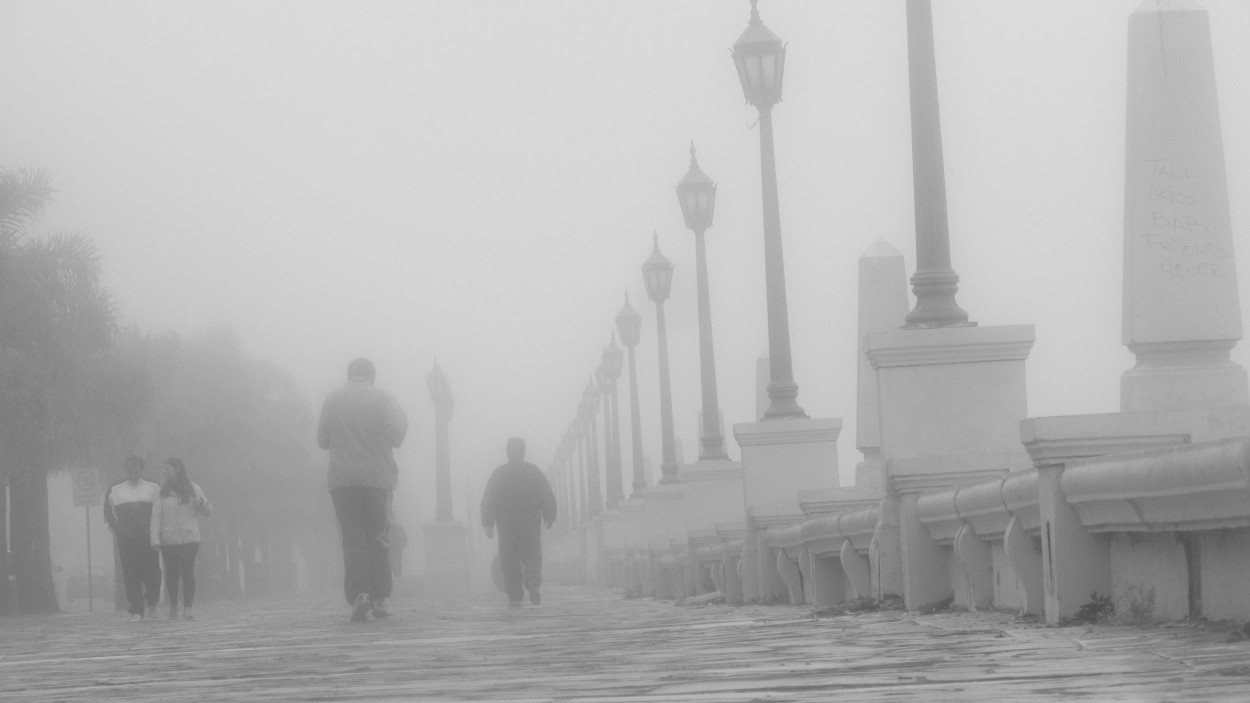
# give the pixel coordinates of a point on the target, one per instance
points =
(57, 327)
(75, 390)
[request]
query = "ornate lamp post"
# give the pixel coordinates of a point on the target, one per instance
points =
(629, 325)
(580, 494)
(558, 483)
(697, 195)
(610, 372)
(446, 541)
(657, 273)
(440, 393)
(760, 58)
(934, 282)
(594, 491)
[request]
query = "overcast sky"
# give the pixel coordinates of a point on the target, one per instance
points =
(478, 182)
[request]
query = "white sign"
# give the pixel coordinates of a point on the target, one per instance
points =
(87, 488)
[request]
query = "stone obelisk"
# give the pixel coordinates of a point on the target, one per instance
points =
(1181, 311)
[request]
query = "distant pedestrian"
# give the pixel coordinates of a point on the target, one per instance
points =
(128, 512)
(362, 425)
(518, 500)
(175, 528)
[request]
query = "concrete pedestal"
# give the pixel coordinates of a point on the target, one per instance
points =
(634, 530)
(952, 400)
(666, 525)
(780, 458)
(446, 560)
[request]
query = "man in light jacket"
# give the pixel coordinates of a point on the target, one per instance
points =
(361, 425)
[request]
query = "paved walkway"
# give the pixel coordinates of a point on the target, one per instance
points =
(595, 646)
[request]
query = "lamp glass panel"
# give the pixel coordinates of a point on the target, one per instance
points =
(629, 326)
(690, 206)
(664, 280)
(769, 70)
(753, 71)
(612, 363)
(739, 63)
(704, 206)
(651, 276)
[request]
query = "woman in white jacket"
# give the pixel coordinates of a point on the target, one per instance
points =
(175, 529)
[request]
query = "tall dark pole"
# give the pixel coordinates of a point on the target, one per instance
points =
(608, 374)
(935, 282)
(657, 272)
(697, 195)
(582, 470)
(594, 488)
(760, 58)
(440, 393)
(629, 325)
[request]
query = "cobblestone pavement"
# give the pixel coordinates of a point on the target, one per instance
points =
(596, 646)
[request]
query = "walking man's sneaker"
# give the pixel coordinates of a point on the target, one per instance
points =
(186, 614)
(136, 617)
(360, 608)
(379, 608)
(535, 596)
(152, 612)
(514, 603)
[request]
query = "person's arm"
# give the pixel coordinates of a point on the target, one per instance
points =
(488, 506)
(323, 430)
(396, 421)
(110, 515)
(201, 503)
(154, 525)
(549, 502)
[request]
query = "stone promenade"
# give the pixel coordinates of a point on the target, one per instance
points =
(595, 646)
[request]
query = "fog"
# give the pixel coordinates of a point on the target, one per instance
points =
(478, 183)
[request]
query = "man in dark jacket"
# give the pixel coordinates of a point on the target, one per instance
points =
(128, 512)
(518, 499)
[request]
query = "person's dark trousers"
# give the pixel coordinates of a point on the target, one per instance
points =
(152, 578)
(521, 559)
(180, 566)
(137, 556)
(366, 555)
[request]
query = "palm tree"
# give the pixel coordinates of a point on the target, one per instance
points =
(57, 329)
(23, 195)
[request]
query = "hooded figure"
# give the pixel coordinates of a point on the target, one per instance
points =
(518, 500)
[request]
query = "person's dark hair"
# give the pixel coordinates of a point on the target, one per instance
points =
(516, 448)
(133, 460)
(361, 368)
(179, 484)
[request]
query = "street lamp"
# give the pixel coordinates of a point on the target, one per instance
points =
(935, 282)
(761, 58)
(697, 195)
(558, 459)
(577, 464)
(629, 325)
(610, 368)
(590, 407)
(657, 273)
(440, 393)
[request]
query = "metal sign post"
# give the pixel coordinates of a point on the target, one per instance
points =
(87, 493)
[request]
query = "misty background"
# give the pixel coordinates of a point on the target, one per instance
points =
(478, 183)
